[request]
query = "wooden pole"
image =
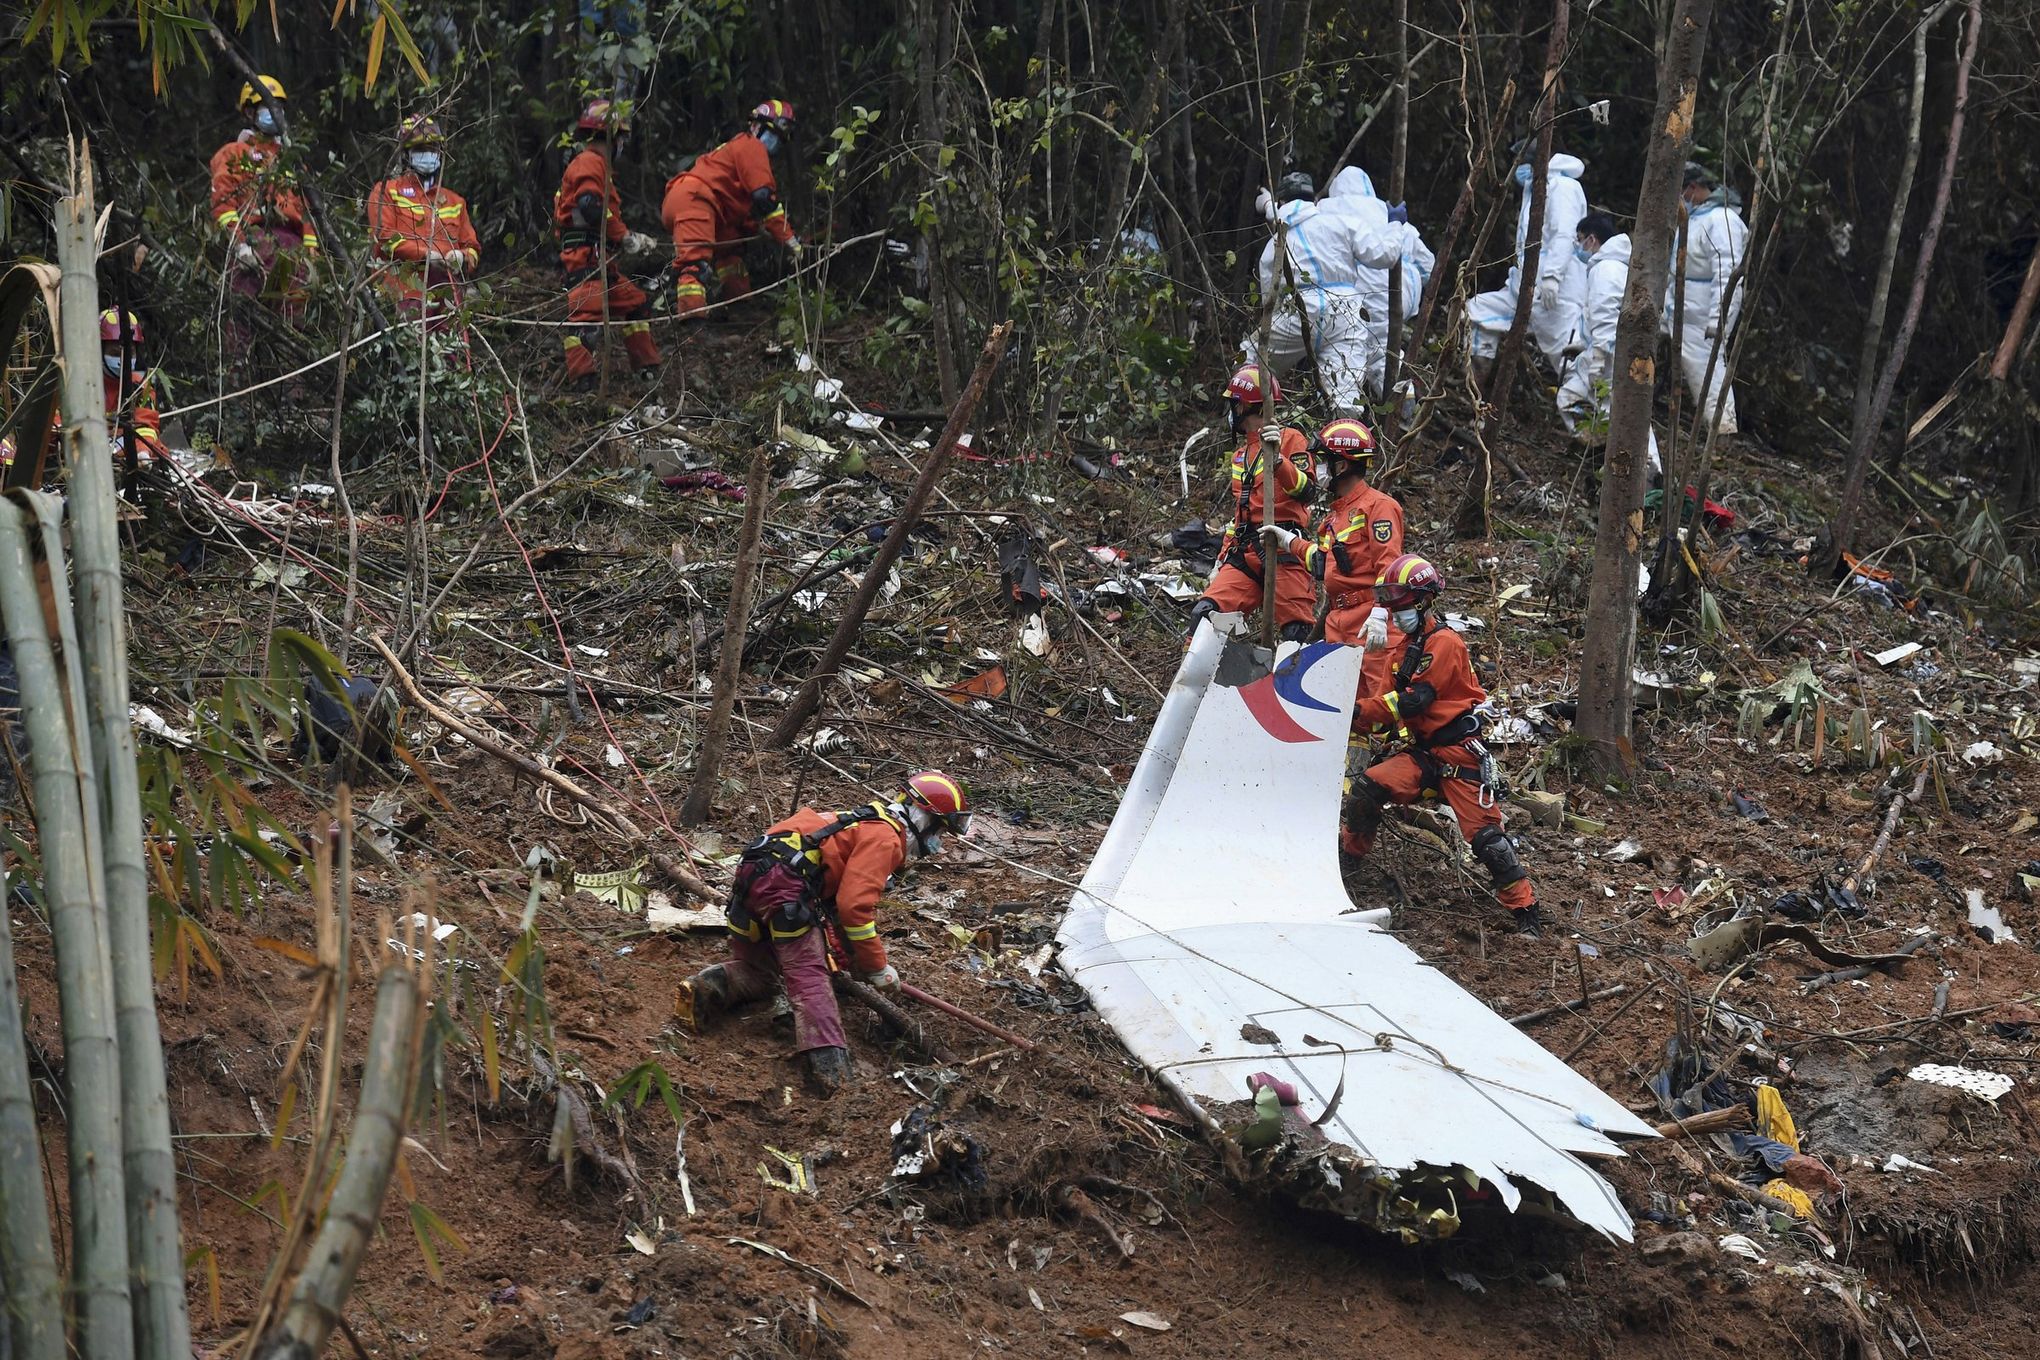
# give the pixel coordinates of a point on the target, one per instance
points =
(1398, 169)
(32, 1310)
(729, 671)
(809, 698)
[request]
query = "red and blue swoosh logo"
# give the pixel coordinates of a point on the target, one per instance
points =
(1266, 697)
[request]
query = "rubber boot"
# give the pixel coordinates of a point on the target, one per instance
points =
(828, 1069)
(782, 1012)
(1529, 921)
(702, 997)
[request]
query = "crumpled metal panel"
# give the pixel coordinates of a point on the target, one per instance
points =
(1214, 902)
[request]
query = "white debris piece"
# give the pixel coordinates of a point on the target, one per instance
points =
(1987, 918)
(1178, 958)
(1983, 1085)
(1982, 753)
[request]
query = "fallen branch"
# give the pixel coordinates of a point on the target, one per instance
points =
(1898, 806)
(1546, 1012)
(571, 1116)
(869, 996)
(1713, 1121)
(976, 1022)
(544, 774)
(766, 1248)
(1085, 1208)
(729, 673)
(1815, 983)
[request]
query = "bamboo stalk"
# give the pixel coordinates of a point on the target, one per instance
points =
(162, 1327)
(68, 831)
(379, 1122)
(730, 669)
(32, 1304)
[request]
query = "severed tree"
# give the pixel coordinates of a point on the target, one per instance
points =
(1606, 656)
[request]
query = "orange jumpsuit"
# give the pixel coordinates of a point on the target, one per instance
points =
(587, 280)
(255, 200)
(1236, 585)
(406, 220)
(1431, 704)
(141, 415)
(856, 862)
(1360, 536)
(726, 195)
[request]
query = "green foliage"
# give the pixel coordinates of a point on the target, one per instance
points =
(639, 1083)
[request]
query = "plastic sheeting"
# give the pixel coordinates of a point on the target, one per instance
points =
(1215, 902)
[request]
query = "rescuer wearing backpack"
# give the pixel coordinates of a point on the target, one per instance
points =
(822, 869)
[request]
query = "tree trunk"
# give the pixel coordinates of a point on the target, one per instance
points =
(1610, 642)
(155, 1256)
(1398, 173)
(730, 670)
(928, 61)
(809, 698)
(2022, 317)
(1840, 531)
(1880, 291)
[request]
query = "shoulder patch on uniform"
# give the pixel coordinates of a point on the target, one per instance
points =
(1424, 663)
(1384, 529)
(408, 192)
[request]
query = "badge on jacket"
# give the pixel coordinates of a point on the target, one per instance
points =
(1384, 529)
(1423, 664)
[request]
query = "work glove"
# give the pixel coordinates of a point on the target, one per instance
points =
(434, 257)
(244, 255)
(886, 979)
(1374, 633)
(1284, 537)
(1547, 295)
(1264, 204)
(1399, 212)
(795, 247)
(637, 243)
(456, 261)
(1271, 435)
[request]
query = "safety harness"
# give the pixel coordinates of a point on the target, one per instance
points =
(779, 883)
(1463, 730)
(1243, 514)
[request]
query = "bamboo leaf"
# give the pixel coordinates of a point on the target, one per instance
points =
(430, 1229)
(405, 42)
(492, 1063)
(204, 1256)
(295, 953)
(285, 1108)
(188, 926)
(375, 50)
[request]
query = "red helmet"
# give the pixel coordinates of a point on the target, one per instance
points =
(109, 327)
(1410, 582)
(1248, 387)
(601, 116)
(776, 114)
(420, 131)
(1345, 440)
(936, 793)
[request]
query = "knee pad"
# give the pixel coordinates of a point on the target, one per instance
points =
(1202, 610)
(1296, 631)
(1493, 848)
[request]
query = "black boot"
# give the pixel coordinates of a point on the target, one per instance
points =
(1529, 921)
(828, 1069)
(702, 997)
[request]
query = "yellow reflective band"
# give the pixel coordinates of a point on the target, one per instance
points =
(571, 341)
(863, 932)
(749, 932)
(691, 288)
(779, 934)
(228, 218)
(776, 212)
(637, 327)
(447, 214)
(1394, 704)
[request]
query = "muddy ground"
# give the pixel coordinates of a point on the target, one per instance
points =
(1932, 1260)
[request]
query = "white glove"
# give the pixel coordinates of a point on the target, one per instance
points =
(1547, 295)
(1264, 204)
(637, 243)
(1284, 537)
(886, 979)
(795, 246)
(1374, 633)
(1271, 435)
(244, 254)
(434, 257)
(455, 260)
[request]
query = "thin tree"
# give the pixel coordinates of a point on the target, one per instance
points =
(1605, 681)
(1398, 174)
(1843, 526)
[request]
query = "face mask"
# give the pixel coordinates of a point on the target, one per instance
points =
(1523, 175)
(266, 120)
(931, 844)
(1583, 255)
(1409, 620)
(426, 163)
(771, 140)
(112, 362)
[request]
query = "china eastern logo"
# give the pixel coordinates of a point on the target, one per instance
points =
(1268, 698)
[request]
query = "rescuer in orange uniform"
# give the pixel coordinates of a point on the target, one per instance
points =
(420, 229)
(723, 197)
(1236, 587)
(1361, 534)
(256, 203)
(1432, 704)
(588, 213)
(130, 394)
(819, 869)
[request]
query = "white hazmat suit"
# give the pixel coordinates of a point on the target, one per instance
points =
(1585, 393)
(1352, 195)
(1327, 251)
(1554, 313)
(1716, 240)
